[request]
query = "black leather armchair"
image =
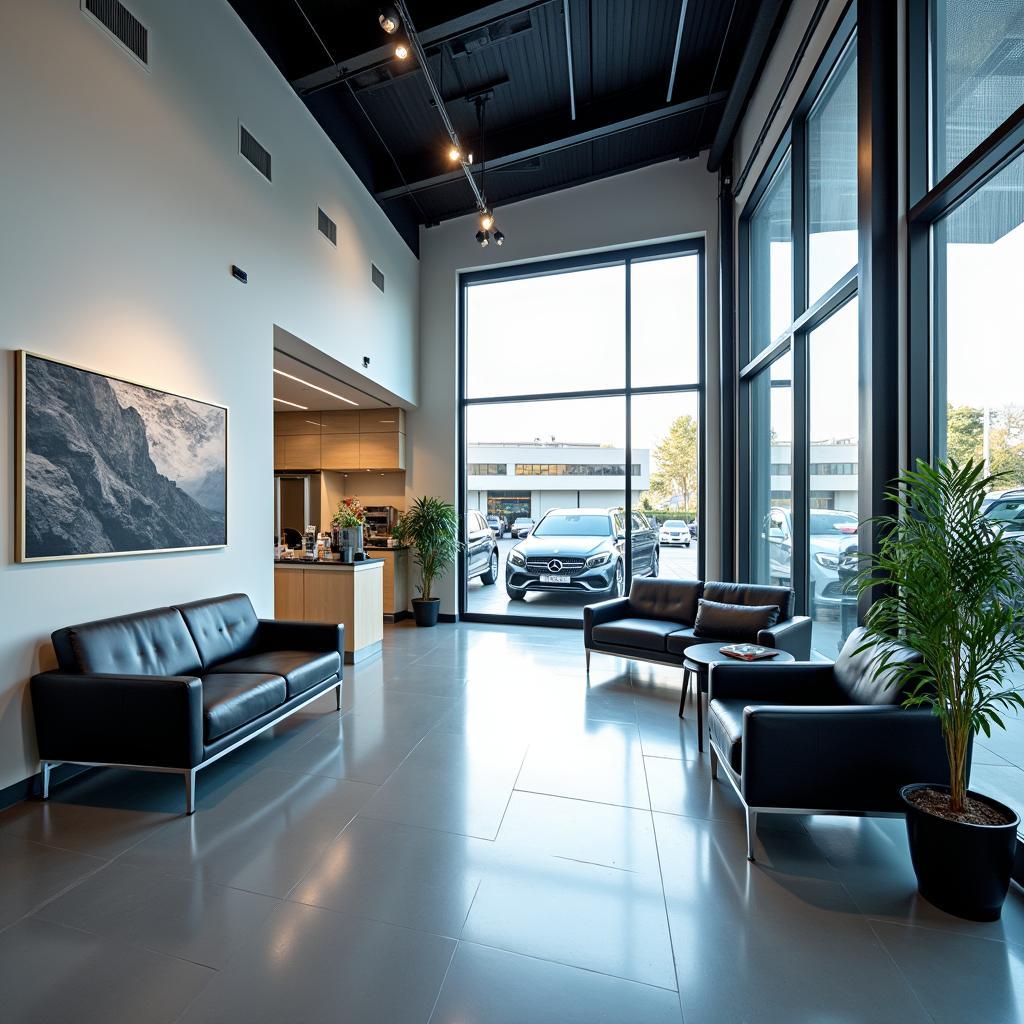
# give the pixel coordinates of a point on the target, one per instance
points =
(174, 689)
(817, 738)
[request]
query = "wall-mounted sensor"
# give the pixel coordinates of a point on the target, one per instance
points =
(239, 274)
(366, 361)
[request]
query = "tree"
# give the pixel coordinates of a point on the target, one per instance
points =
(965, 439)
(965, 429)
(676, 458)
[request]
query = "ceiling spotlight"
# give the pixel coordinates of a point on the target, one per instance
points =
(453, 154)
(389, 18)
(484, 238)
(401, 51)
(486, 220)
(499, 237)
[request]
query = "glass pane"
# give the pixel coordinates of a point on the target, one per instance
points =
(771, 262)
(665, 321)
(977, 74)
(771, 474)
(832, 179)
(666, 437)
(834, 429)
(560, 332)
(557, 457)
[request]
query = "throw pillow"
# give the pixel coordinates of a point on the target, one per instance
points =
(737, 623)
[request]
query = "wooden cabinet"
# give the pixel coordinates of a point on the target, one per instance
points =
(396, 580)
(378, 421)
(296, 423)
(301, 451)
(339, 451)
(288, 596)
(335, 421)
(340, 439)
(382, 451)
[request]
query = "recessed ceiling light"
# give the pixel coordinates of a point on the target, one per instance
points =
(315, 387)
(294, 405)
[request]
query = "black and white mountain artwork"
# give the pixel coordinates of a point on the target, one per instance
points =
(113, 467)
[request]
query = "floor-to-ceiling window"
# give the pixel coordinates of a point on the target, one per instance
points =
(799, 334)
(966, 250)
(581, 429)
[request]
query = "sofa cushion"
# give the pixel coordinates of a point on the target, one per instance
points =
(855, 673)
(643, 634)
(301, 670)
(231, 699)
(677, 642)
(725, 723)
(735, 622)
(752, 594)
(673, 600)
(222, 627)
(153, 643)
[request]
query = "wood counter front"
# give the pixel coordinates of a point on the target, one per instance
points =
(332, 592)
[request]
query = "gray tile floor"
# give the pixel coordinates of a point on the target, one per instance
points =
(480, 837)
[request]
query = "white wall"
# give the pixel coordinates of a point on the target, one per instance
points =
(669, 200)
(123, 204)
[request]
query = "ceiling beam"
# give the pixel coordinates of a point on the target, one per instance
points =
(431, 37)
(770, 14)
(524, 142)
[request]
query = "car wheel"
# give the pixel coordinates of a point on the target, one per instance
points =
(619, 586)
(491, 576)
(655, 563)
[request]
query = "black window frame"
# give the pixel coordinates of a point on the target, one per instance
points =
(694, 246)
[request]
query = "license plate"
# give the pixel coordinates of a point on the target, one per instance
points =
(554, 579)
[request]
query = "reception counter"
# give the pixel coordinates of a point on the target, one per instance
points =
(396, 581)
(351, 593)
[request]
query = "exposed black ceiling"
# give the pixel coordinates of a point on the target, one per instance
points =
(380, 115)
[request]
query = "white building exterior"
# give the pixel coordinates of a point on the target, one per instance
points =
(833, 475)
(529, 479)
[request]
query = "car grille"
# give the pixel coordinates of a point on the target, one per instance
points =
(540, 566)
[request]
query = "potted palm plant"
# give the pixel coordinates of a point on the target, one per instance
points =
(950, 582)
(431, 527)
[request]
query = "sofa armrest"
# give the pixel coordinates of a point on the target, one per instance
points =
(800, 683)
(845, 758)
(119, 719)
(601, 612)
(282, 635)
(791, 635)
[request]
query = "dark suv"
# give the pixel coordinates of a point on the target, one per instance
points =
(582, 551)
(481, 549)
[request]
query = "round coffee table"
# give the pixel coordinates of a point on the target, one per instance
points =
(698, 658)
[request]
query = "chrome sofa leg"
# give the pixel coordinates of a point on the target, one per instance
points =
(751, 832)
(47, 768)
(714, 763)
(190, 792)
(337, 691)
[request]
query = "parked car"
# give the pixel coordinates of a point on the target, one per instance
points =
(522, 526)
(674, 531)
(481, 549)
(498, 524)
(582, 551)
(991, 499)
(1007, 512)
(831, 533)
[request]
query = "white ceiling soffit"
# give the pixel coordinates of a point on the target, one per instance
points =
(300, 384)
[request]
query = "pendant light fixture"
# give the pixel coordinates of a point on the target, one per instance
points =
(487, 225)
(389, 18)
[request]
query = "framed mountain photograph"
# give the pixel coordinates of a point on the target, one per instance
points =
(109, 467)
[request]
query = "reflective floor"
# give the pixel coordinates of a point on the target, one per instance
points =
(480, 837)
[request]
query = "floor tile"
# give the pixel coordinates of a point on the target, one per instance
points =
(311, 965)
(188, 918)
(31, 873)
(604, 764)
(788, 946)
(49, 973)
(490, 986)
(960, 980)
(453, 783)
(686, 787)
(415, 877)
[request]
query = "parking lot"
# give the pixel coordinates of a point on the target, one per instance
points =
(676, 563)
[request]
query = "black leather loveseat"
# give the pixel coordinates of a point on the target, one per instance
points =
(174, 689)
(817, 738)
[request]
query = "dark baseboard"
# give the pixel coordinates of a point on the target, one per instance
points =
(33, 785)
(447, 617)
(398, 616)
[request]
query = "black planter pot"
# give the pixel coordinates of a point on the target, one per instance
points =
(962, 869)
(425, 611)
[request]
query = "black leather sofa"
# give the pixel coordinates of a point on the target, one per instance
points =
(818, 738)
(655, 623)
(174, 689)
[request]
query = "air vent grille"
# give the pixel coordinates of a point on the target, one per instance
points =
(378, 276)
(121, 23)
(254, 153)
(326, 226)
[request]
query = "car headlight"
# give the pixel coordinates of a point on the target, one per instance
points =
(516, 557)
(827, 561)
(601, 559)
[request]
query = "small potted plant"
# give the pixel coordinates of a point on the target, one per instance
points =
(431, 527)
(949, 579)
(349, 520)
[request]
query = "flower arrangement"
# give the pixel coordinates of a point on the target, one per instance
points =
(350, 514)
